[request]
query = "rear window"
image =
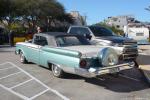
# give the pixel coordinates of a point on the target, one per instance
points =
(79, 30)
(63, 41)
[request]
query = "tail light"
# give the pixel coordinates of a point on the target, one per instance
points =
(83, 63)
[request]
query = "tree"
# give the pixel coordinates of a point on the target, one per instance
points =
(33, 12)
(7, 12)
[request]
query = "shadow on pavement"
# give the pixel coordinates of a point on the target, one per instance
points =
(116, 84)
(146, 76)
(119, 84)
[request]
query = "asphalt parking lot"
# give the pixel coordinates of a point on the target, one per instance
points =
(29, 81)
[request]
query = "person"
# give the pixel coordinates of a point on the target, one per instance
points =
(39, 29)
(11, 38)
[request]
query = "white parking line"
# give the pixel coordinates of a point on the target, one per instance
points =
(129, 78)
(142, 53)
(15, 93)
(21, 83)
(10, 75)
(52, 90)
(4, 63)
(6, 68)
(39, 94)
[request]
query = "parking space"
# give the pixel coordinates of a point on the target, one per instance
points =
(22, 85)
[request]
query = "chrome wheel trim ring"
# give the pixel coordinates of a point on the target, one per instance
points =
(56, 70)
(21, 57)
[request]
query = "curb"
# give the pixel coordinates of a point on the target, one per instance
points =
(145, 74)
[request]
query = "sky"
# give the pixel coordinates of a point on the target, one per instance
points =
(98, 10)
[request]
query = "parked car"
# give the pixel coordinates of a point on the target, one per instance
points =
(71, 54)
(126, 48)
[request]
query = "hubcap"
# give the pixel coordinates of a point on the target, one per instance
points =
(21, 57)
(56, 70)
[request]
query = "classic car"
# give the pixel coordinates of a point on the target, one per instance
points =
(68, 53)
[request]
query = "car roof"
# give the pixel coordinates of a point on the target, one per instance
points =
(56, 34)
(97, 26)
(79, 26)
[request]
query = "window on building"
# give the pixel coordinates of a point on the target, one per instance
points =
(139, 34)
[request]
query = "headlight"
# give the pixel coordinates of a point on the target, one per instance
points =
(108, 57)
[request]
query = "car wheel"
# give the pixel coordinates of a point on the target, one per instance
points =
(22, 58)
(57, 71)
(136, 64)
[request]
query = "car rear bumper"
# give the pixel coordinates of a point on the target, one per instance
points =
(93, 72)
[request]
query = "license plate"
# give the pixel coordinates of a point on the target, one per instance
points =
(114, 70)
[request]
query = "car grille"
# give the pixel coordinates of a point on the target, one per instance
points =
(130, 52)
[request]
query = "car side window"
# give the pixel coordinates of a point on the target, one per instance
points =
(36, 39)
(40, 40)
(43, 41)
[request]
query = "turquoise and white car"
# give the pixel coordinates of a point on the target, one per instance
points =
(65, 53)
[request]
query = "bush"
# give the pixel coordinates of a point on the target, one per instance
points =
(17, 28)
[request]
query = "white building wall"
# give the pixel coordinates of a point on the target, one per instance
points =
(119, 21)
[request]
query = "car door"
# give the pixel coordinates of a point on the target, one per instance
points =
(34, 49)
(42, 54)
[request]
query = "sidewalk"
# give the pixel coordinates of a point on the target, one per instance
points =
(6, 48)
(144, 61)
(146, 71)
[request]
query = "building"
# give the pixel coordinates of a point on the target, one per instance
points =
(78, 19)
(120, 21)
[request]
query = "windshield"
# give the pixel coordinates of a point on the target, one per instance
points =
(101, 31)
(63, 41)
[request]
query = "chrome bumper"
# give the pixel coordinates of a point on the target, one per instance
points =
(93, 72)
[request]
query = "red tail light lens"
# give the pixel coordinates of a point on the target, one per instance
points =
(83, 63)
